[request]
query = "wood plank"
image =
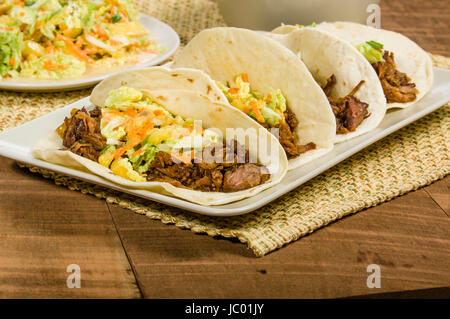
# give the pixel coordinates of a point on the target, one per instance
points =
(44, 228)
(409, 238)
(440, 192)
(425, 22)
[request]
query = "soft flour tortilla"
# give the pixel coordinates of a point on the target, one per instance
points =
(284, 29)
(159, 78)
(409, 57)
(185, 104)
(225, 52)
(340, 58)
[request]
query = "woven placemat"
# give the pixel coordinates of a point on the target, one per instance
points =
(406, 160)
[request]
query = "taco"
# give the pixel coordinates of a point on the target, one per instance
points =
(347, 78)
(404, 69)
(270, 84)
(169, 141)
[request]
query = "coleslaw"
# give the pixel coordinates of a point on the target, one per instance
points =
(56, 39)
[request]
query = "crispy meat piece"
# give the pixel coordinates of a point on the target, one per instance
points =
(179, 171)
(397, 86)
(81, 133)
(162, 160)
(328, 87)
(291, 120)
(155, 177)
(288, 138)
(244, 176)
(85, 149)
(356, 113)
(349, 110)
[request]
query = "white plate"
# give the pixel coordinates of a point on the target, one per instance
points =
(163, 34)
(17, 143)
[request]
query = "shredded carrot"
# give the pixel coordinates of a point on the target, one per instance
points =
(256, 111)
(241, 106)
(126, 148)
(80, 53)
(119, 6)
(102, 33)
(50, 49)
(115, 42)
(22, 14)
(20, 3)
(147, 128)
(268, 98)
(12, 61)
(243, 76)
(80, 41)
(113, 112)
(233, 91)
(138, 152)
(131, 112)
(158, 112)
(48, 65)
(136, 137)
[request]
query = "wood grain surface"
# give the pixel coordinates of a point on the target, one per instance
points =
(45, 227)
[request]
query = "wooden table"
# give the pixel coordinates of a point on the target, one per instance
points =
(45, 227)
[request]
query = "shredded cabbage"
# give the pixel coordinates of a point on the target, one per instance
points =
(53, 67)
(11, 45)
(270, 106)
(122, 95)
(372, 51)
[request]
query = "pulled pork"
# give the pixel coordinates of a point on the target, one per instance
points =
(81, 133)
(224, 168)
(396, 85)
(349, 110)
(287, 136)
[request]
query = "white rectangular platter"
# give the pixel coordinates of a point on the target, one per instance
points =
(18, 142)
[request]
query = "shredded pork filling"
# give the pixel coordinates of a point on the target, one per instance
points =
(397, 86)
(224, 168)
(287, 136)
(349, 111)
